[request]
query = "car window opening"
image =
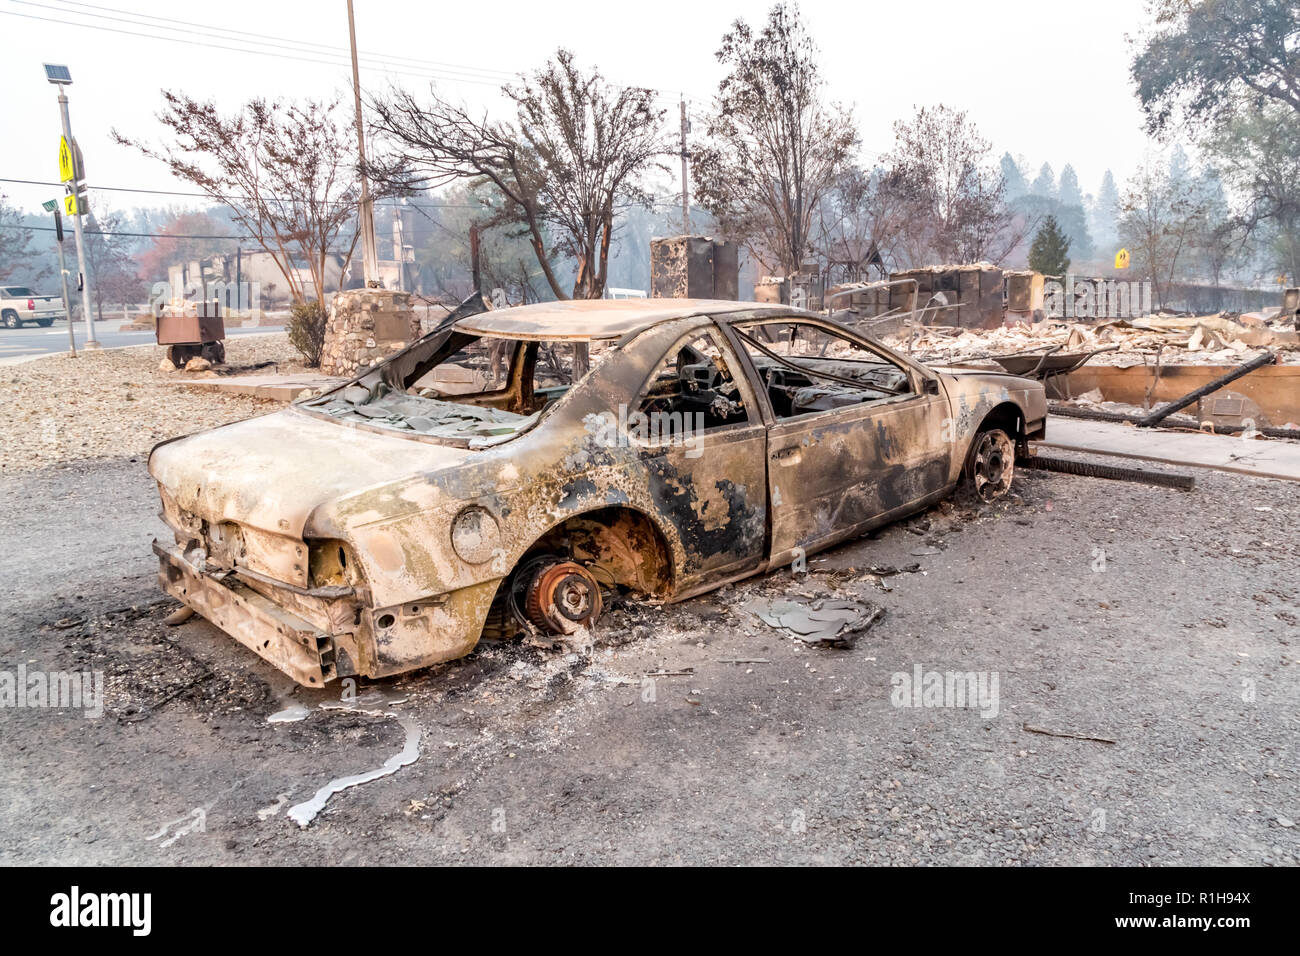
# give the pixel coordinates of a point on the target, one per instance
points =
(693, 384)
(807, 368)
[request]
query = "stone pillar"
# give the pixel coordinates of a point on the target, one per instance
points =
(365, 327)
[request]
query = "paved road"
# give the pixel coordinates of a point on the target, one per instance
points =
(18, 345)
(1162, 620)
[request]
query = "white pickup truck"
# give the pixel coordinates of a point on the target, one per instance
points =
(19, 304)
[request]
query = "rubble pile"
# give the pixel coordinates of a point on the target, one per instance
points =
(1225, 338)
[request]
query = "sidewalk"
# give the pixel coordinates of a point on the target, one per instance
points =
(1270, 458)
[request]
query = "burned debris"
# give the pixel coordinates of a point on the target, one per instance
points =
(422, 412)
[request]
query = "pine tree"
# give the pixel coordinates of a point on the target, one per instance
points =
(1050, 252)
(1069, 193)
(1108, 198)
(1014, 182)
(1044, 183)
(1105, 214)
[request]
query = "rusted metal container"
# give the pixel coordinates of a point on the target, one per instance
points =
(192, 335)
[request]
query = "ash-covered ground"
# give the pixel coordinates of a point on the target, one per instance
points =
(1164, 621)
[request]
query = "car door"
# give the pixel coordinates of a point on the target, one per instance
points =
(703, 444)
(843, 453)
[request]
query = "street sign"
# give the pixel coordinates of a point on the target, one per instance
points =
(52, 205)
(67, 169)
(70, 205)
(72, 167)
(1121, 259)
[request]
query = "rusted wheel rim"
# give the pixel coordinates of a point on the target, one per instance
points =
(563, 597)
(993, 465)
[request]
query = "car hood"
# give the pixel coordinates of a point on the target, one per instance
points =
(272, 472)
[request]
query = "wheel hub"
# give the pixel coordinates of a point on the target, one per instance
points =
(562, 597)
(993, 466)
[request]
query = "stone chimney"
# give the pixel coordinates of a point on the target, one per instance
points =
(365, 327)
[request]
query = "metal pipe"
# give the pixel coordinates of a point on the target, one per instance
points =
(63, 275)
(1157, 416)
(77, 231)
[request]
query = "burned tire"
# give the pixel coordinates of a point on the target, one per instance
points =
(991, 464)
(214, 352)
(180, 354)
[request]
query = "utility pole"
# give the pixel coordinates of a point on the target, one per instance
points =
(60, 77)
(366, 214)
(473, 258)
(686, 196)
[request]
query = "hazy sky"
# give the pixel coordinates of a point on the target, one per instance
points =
(1047, 81)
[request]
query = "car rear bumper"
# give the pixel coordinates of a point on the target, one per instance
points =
(295, 646)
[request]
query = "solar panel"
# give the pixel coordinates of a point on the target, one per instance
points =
(57, 74)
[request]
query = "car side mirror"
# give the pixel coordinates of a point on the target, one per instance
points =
(931, 386)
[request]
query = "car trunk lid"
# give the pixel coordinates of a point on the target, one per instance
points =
(271, 472)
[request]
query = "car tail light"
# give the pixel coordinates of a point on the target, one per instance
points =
(31, 305)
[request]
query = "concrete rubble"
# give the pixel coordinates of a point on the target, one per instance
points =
(1192, 340)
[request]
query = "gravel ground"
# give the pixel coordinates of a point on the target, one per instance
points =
(1164, 621)
(118, 402)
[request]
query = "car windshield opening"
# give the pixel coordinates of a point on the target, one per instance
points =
(466, 388)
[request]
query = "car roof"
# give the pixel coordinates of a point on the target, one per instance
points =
(601, 318)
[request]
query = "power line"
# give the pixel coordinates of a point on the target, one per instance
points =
(208, 31)
(164, 235)
(201, 195)
(300, 43)
(235, 49)
(433, 70)
(136, 235)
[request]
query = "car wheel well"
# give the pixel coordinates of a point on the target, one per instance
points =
(620, 545)
(1008, 417)
(619, 541)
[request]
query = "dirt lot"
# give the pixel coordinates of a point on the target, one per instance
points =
(1162, 620)
(60, 409)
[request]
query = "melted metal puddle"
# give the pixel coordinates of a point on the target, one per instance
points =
(305, 812)
(373, 705)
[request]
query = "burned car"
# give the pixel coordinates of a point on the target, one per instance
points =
(512, 467)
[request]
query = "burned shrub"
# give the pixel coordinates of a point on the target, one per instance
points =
(307, 325)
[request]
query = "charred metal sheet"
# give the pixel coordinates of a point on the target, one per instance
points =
(294, 646)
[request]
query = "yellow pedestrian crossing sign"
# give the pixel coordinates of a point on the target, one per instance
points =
(67, 168)
(1121, 259)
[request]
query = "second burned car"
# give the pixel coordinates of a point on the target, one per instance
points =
(505, 469)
